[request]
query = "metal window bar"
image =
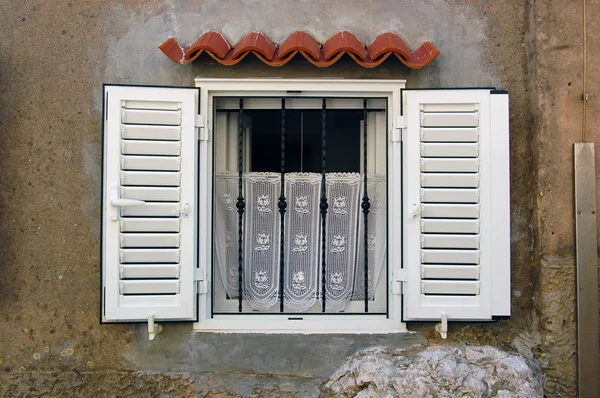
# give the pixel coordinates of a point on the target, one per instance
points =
(365, 205)
(282, 206)
(323, 206)
(240, 203)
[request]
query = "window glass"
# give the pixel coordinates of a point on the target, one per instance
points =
(289, 257)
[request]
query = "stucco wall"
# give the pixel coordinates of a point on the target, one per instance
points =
(557, 37)
(54, 56)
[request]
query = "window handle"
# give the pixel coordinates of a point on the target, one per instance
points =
(126, 202)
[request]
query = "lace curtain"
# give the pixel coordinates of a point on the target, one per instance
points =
(343, 190)
(261, 243)
(344, 247)
(302, 240)
(376, 238)
(226, 231)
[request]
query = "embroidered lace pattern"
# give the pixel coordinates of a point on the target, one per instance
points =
(377, 239)
(261, 242)
(302, 240)
(226, 230)
(302, 246)
(343, 190)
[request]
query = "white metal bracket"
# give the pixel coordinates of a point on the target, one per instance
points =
(400, 278)
(153, 328)
(201, 129)
(442, 327)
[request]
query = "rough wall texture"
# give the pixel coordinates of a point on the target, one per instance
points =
(54, 57)
(557, 45)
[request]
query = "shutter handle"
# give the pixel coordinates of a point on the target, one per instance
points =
(126, 202)
(116, 202)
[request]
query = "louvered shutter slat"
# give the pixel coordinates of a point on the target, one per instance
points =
(454, 119)
(432, 195)
(464, 165)
(164, 163)
(447, 150)
(150, 156)
(450, 241)
(150, 132)
(149, 287)
(151, 178)
(450, 287)
(150, 240)
(450, 226)
(146, 116)
(450, 210)
(449, 107)
(152, 193)
(433, 134)
(157, 105)
(152, 209)
(150, 256)
(149, 271)
(445, 271)
(449, 180)
(434, 256)
(141, 147)
(150, 225)
(448, 233)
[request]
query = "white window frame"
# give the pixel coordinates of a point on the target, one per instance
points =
(298, 88)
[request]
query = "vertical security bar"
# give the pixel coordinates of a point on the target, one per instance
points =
(365, 205)
(282, 206)
(240, 203)
(323, 204)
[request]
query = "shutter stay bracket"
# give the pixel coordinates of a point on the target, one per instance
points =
(442, 327)
(153, 328)
(201, 131)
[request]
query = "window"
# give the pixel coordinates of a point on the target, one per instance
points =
(259, 186)
(302, 186)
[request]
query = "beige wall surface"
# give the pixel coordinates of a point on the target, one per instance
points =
(54, 57)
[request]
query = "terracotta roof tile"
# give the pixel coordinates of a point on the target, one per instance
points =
(344, 42)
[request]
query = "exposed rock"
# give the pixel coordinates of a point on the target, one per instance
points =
(437, 371)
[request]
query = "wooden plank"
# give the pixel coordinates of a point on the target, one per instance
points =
(586, 237)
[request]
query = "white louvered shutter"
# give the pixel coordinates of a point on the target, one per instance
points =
(148, 213)
(456, 205)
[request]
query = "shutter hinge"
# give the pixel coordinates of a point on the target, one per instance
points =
(400, 278)
(201, 131)
(200, 281)
(399, 129)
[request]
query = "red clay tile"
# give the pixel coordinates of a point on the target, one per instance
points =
(300, 41)
(211, 41)
(256, 42)
(172, 50)
(387, 43)
(218, 48)
(344, 41)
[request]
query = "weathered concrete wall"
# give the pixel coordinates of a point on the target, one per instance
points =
(557, 41)
(54, 56)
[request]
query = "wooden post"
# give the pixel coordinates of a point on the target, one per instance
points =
(586, 239)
